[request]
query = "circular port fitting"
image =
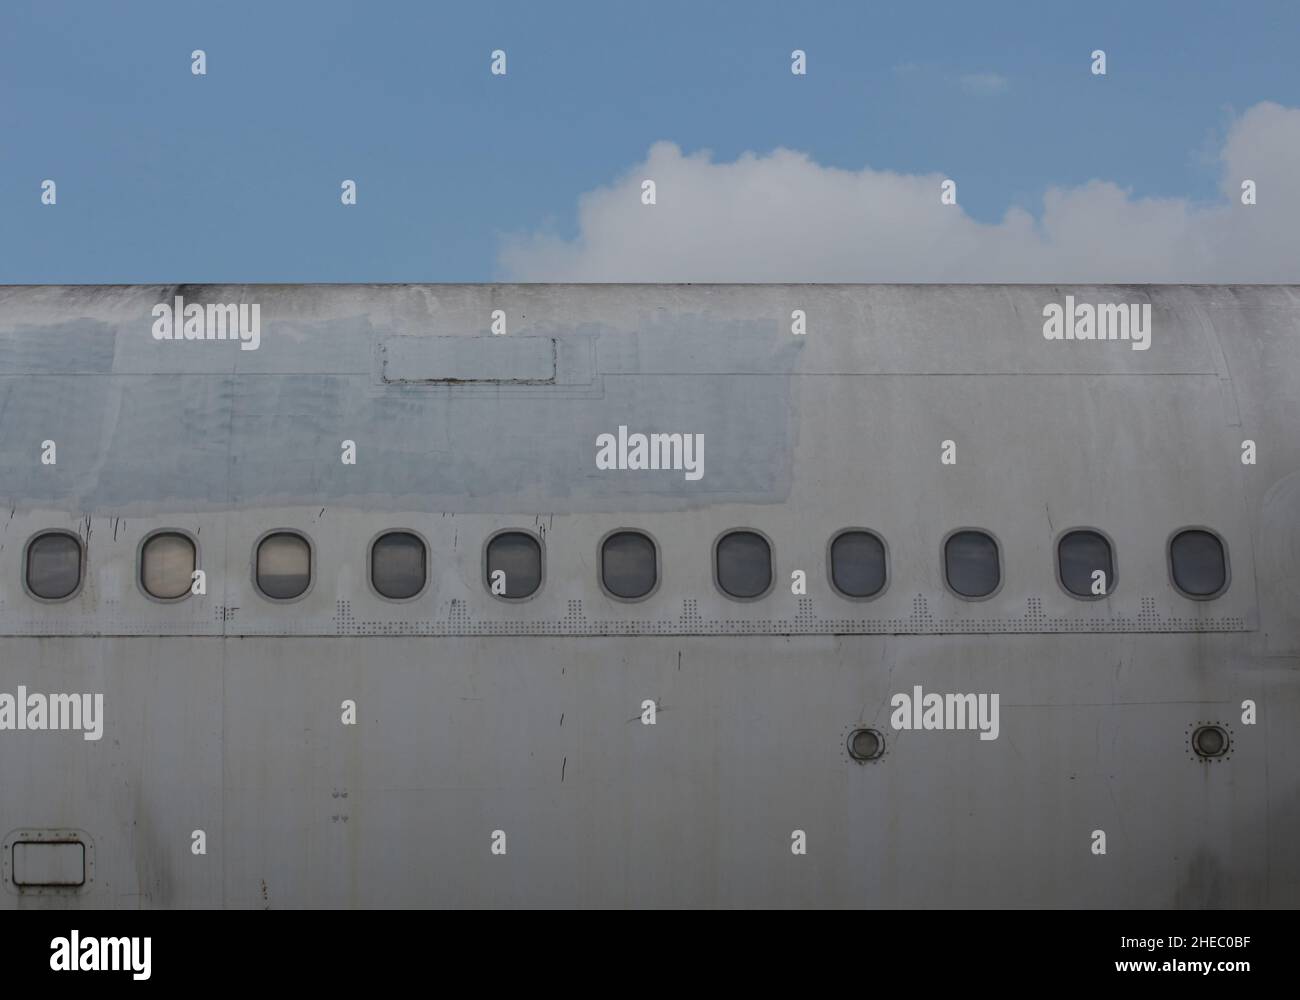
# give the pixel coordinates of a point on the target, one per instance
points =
(1210, 741)
(866, 744)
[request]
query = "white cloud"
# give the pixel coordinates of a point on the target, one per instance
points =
(984, 84)
(781, 217)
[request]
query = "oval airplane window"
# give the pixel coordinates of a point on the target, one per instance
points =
(398, 565)
(514, 565)
(167, 563)
(1081, 554)
(628, 565)
(1198, 563)
(743, 564)
(858, 563)
(283, 565)
(971, 563)
(54, 565)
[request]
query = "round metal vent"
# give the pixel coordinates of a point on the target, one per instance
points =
(1210, 741)
(866, 744)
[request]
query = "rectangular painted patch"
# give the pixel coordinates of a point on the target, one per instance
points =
(80, 346)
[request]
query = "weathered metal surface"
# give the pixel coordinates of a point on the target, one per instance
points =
(222, 712)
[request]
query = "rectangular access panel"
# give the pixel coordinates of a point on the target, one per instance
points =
(453, 360)
(49, 863)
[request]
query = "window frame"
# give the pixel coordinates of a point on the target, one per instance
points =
(1227, 562)
(370, 564)
(943, 564)
(771, 557)
(311, 564)
(1111, 584)
(830, 566)
(541, 565)
(139, 563)
(81, 565)
(600, 564)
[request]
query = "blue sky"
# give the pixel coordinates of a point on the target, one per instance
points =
(234, 176)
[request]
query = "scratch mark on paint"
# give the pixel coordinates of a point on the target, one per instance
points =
(659, 710)
(563, 768)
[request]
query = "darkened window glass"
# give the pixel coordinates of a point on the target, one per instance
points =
(628, 565)
(971, 563)
(1198, 564)
(283, 565)
(1079, 555)
(744, 564)
(397, 565)
(858, 564)
(53, 565)
(167, 565)
(518, 555)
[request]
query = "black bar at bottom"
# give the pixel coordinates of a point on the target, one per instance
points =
(869, 947)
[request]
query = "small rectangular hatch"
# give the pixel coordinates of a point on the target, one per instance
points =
(469, 360)
(49, 863)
